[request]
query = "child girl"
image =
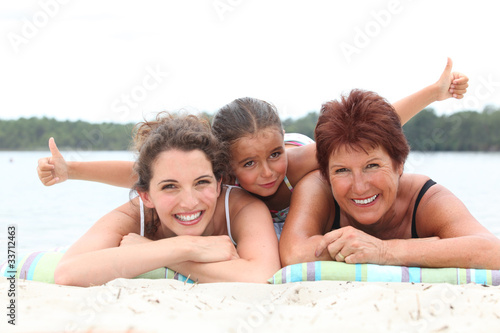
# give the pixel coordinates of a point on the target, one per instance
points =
(191, 222)
(252, 134)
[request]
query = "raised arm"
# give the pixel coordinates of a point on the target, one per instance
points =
(310, 216)
(97, 258)
(449, 85)
(54, 169)
(257, 246)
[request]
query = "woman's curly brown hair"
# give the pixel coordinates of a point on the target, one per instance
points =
(166, 132)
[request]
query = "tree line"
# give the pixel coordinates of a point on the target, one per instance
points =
(461, 131)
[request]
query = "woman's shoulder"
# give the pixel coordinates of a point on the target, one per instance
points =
(237, 197)
(239, 206)
(418, 187)
(411, 182)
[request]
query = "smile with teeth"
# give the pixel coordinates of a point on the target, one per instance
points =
(365, 201)
(188, 217)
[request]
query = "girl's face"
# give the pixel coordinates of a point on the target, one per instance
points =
(365, 185)
(259, 162)
(183, 191)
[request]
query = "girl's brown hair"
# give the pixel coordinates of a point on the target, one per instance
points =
(242, 117)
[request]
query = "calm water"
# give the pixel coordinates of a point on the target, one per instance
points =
(48, 217)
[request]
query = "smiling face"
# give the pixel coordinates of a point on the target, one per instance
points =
(259, 162)
(365, 184)
(184, 192)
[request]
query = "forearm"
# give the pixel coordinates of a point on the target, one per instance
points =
(414, 103)
(101, 266)
(463, 252)
(117, 173)
(237, 270)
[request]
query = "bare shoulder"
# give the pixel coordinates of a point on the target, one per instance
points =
(239, 199)
(411, 185)
(440, 212)
(250, 218)
(239, 194)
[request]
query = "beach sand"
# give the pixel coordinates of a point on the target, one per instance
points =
(142, 305)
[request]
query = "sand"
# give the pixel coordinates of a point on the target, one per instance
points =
(141, 305)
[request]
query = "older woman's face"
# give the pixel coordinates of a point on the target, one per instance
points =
(365, 184)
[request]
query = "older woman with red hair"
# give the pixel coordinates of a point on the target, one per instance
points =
(360, 207)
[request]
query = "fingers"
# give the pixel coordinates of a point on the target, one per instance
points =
(338, 251)
(53, 148)
(326, 241)
(44, 165)
(459, 85)
(45, 172)
(49, 180)
(459, 78)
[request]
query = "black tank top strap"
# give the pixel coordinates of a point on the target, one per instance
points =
(336, 220)
(424, 189)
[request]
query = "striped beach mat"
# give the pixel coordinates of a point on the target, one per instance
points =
(41, 265)
(339, 271)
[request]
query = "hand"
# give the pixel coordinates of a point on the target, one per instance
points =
(54, 169)
(133, 239)
(211, 248)
(352, 246)
(451, 84)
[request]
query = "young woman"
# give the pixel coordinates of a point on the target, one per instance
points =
(191, 223)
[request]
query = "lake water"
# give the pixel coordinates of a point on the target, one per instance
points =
(48, 217)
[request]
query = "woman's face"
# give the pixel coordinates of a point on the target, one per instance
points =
(365, 184)
(259, 162)
(183, 191)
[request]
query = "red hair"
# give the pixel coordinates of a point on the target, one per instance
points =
(362, 119)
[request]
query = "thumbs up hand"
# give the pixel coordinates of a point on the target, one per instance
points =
(451, 84)
(54, 169)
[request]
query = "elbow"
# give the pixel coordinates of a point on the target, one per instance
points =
(491, 246)
(263, 277)
(291, 259)
(63, 275)
(294, 254)
(262, 272)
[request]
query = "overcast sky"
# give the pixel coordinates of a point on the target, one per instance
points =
(122, 60)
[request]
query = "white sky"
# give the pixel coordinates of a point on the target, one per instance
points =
(76, 59)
